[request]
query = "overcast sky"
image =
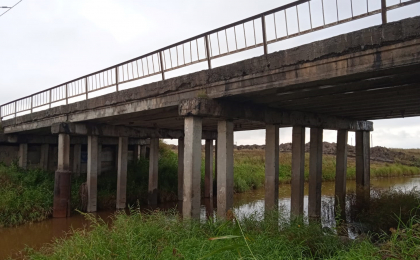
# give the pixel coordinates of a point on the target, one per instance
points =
(44, 43)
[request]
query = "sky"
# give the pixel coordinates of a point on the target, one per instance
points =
(44, 43)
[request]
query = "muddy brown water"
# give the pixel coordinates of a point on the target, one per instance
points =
(35, 235)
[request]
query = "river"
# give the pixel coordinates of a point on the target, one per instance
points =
(13, 240)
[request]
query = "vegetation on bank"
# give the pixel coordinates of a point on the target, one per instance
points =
(163, 235)
(249, 169)
(27, 194)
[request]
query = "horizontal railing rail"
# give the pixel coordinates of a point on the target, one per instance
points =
(260, 30)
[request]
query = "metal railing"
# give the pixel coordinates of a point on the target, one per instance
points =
(257, 31)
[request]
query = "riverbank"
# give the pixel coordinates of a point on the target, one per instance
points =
(163, 235)
(27, 194)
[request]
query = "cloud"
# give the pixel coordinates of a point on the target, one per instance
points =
(121, 21)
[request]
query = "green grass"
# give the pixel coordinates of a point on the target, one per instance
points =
(27, 194)
(24, 197)
(249, 169)
(163, 235)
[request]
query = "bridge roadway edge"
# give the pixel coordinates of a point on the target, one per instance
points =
(283, 69)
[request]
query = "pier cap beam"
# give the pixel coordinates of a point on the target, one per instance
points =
(233, 110)
(117, 131)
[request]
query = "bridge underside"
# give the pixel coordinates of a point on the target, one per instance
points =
(337, 83)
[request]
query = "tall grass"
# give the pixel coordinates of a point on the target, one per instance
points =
(164, 236)
(249, 169)
(24, 197)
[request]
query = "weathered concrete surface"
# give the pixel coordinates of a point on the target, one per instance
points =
(271, 167)
(231, 110)
(62, 180)
(362, 166)
(208, 169)
(341, 172)
(92, 173)
(298, 169)
(315, 173)
(116, 131)
(45, 156)
(379, 51)
(77, 158)
(153, 172)
(192, 168)
(52, 139)
(122, 173)
(23, 155)
(180, 169)
(224, 168)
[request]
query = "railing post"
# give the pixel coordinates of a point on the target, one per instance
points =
(32, 103)
(161, 66)
(67, 94)
(384, 16)
(15, 109)
(50, 97)
(206, 40)
(264, 34)
(116, 78)
(86, 87)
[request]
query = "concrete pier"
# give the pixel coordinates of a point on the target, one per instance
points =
(23, 156)
(77, 158)
(122, 172)
(341, 172)
(298, 168)
(224, 167)
(192, 168)
(92, 173)
(62, 181)
(271, 167)
(180, 169)
(143, 150)
(208, 176)
(44, 159)
(99, 159)
(136, 152)
(153, 171)
(315, 173)
(362, 166)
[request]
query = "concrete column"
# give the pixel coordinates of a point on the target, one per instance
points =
(77, 158)
(136, 152)
(192, 167)
(143, 150)
(271, 167)
(62, 181)
(341, 171)
(180, 169)
(224, 167)
(208, 172)
(362, 166)
(92, 173)
(23, 156)
(122, 172)
(99, 159)
(43, 163)
(298, 168)
(315, 173)
(153, 171)
(215, 170)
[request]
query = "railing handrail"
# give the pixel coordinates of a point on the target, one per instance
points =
(208, 55)
(173, 45)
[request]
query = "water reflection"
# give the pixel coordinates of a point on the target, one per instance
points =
(35, 235)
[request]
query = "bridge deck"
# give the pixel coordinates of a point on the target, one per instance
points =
(364, 75)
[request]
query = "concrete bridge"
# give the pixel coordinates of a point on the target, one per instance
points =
(338, 83)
